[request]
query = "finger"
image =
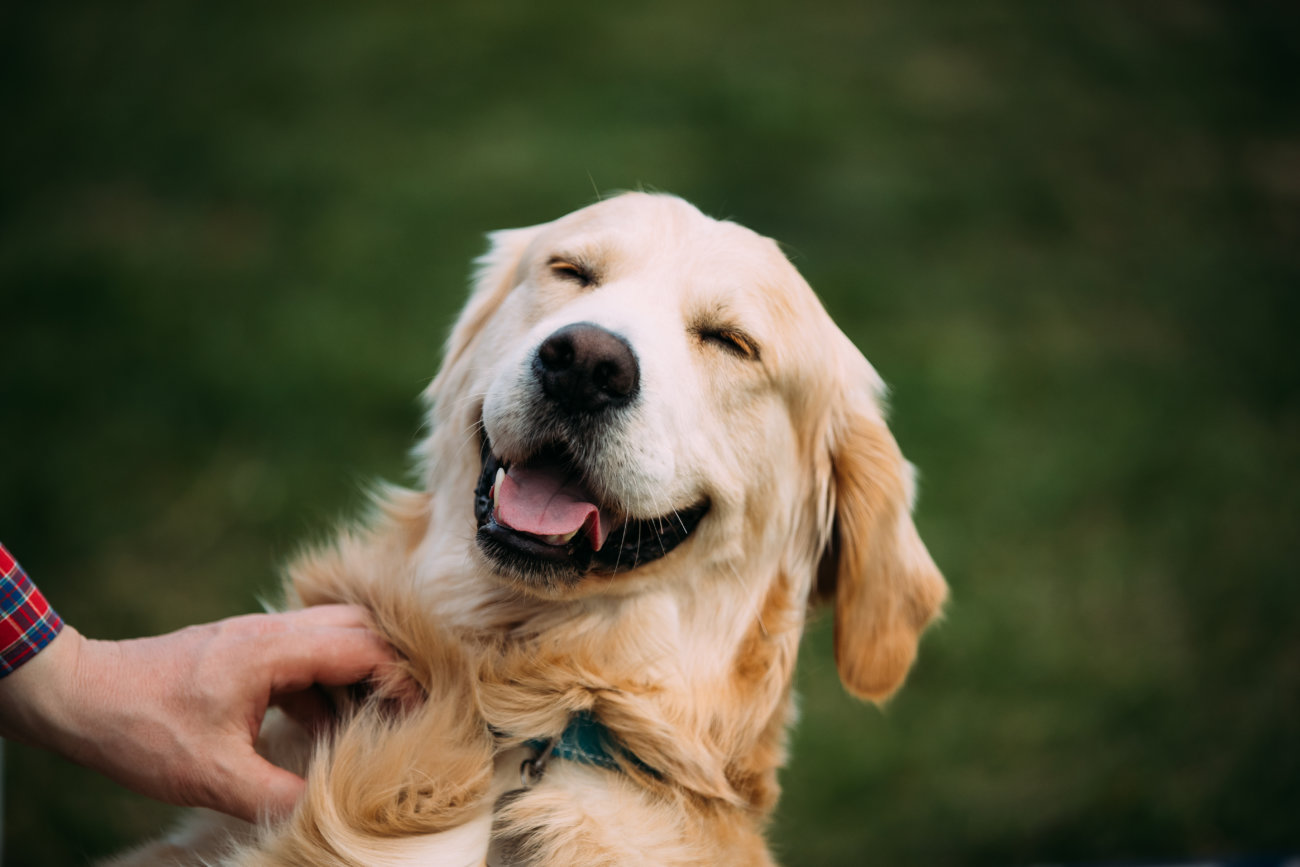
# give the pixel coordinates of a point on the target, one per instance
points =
(331, 656)
(315, 616)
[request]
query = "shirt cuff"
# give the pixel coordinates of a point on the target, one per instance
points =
(27, 622)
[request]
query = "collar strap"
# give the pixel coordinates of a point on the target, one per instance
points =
(587, 741)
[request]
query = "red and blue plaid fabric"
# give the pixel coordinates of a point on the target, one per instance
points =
(27, 622)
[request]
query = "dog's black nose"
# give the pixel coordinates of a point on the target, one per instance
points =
(585, 368)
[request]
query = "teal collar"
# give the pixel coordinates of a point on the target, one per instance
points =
(585, 740)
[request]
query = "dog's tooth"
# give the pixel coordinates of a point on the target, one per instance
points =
(559, 539)
(496, 486)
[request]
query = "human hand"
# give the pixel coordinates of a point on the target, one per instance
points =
(175, 717)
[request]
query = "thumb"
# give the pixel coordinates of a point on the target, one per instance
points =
(262, 791)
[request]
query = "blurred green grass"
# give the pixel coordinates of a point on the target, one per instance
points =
(232, 238)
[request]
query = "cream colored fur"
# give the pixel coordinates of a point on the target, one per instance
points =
(688, 660)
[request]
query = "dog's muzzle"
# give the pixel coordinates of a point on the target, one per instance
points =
(538, 518)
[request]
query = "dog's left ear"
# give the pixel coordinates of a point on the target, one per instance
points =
(886, 586)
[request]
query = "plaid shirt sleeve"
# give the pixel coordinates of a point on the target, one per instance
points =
(27, 622)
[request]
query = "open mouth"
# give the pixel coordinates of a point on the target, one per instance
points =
(538, 520)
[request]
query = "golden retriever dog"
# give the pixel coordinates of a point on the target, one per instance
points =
(650, 451)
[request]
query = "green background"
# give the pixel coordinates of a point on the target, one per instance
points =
(232, 239)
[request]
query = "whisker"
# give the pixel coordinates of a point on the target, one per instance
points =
(474, 429)
(469, 398)
(680, 522)
(621, 543)
(468, 438)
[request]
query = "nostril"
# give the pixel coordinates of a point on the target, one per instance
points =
(604, 375)
(615, 380)
(556, 352)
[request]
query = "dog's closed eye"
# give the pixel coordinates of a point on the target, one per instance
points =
(732, 340)
(573, 270)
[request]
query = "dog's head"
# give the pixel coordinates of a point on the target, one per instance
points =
(661, 399)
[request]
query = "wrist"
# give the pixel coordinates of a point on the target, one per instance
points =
(35, 698)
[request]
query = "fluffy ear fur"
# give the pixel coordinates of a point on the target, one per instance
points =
(496, 273)
(886, 587)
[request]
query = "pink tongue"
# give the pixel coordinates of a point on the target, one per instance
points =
(543, 502)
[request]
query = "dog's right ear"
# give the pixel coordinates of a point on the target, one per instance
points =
(496, 273)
